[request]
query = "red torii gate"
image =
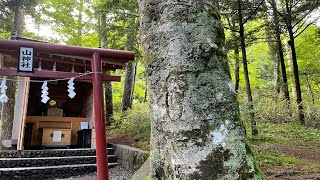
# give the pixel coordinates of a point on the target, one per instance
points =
(113, 59)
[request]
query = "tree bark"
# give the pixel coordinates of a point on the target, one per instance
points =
(7, 115)
(108, 100)
(130, 73)
(289, 58)
(273, 50)
(310, 89)
(237, 68)
(196, 127)
(246, 72)
(79, 24)
(274, 57)
(295, 63)
(128, 86)
(107, 85)
(285, 87)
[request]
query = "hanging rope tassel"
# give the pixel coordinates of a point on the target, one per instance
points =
(3, 87)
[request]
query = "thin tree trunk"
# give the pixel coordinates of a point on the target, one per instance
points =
(196, 129)
(289, 58)
(146, 89)
(236, 53)
(274, 57)
(128, 86)
(7, 115)
(107, 85)
(246, 72)
(237, 68)
(108, 100)
(310, 89)
(285, 87)
(79, 24)
(273, 51)
(130, 73)
(295, 64)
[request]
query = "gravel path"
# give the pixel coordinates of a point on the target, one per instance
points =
(117, 173)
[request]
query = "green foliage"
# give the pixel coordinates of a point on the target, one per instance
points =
(270, 108)
(137, 122)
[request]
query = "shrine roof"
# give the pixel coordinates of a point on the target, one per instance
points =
(50, 53)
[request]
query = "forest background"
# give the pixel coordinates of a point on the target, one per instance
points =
(273, 51)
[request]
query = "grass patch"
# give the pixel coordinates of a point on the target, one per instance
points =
(269, 159)
(285, 147)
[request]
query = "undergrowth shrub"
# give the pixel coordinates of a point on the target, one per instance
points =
(272, 109)
(312, 115)
(136, 122)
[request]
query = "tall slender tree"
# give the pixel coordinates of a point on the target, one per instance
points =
(245, 66)
(243, 11)
(7, 115)
(196, 130)
(101, 12)
(294, 15)
(131, 44)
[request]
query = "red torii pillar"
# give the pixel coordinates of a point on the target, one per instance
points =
(99, 119)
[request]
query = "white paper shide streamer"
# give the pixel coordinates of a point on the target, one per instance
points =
(71, 88)
(3, 88)
(45, 93)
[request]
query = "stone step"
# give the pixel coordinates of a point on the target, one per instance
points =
(48, 172)
(50, 153)
(50, 161)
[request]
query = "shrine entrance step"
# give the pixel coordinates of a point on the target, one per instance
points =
(50, 164)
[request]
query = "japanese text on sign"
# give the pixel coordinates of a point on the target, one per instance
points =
(26, 59)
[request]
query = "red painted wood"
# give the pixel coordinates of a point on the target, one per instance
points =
(50, 48)
(99, 120)
(55, 75)
(62, 59)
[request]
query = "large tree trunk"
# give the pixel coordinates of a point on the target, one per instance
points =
(196, 127)
(285, 87)
(295, 64)
(245, 69)
(107, 85)
(7, 115)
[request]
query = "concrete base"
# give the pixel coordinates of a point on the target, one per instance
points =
(130, 158)
(143, 172)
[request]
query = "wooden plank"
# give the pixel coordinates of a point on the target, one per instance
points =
(59, 125)
(55, 75)
(56, 119)
(23, 112)
(47, 139)
(54, 122)
(76, 126)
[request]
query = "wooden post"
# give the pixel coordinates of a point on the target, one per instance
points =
(99, 119)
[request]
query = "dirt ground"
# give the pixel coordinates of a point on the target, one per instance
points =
(308, 152)
(117, 138)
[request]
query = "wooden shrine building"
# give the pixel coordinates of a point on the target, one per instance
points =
(57, 122)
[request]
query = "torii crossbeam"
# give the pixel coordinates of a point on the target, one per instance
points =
(100, 59)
